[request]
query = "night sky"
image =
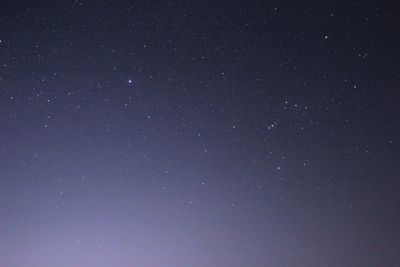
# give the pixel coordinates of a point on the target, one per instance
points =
(199, 133)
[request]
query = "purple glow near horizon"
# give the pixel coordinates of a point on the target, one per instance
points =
(199, 134)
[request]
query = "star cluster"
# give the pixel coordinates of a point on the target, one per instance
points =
(199, 133)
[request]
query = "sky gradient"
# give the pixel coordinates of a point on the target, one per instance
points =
(199, 133)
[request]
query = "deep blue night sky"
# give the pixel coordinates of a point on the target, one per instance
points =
(199, 133)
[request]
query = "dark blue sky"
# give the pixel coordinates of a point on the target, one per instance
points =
(199, 133)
